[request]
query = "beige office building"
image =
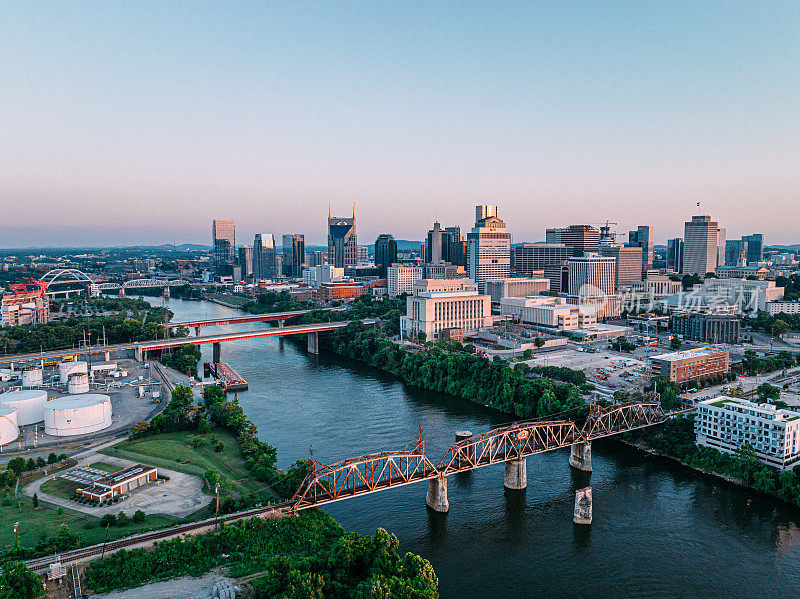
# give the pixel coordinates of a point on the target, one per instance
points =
(439, 305)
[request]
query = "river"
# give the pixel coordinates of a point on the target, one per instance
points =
(659, 530)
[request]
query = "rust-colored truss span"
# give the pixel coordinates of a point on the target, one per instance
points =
(620, 418)
(377, 471)
(364, 474)
(507, 443)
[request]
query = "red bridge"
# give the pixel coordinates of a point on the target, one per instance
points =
(217, 322)
(509, 445)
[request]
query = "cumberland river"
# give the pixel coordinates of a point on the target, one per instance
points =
(659, 530)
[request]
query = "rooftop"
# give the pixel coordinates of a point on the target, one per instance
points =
(689, 353)
(765, 409)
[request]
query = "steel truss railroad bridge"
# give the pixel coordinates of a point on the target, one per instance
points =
(509, 445)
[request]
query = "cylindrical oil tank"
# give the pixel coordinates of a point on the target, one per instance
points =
(78, 383)
(8, 425)
(28, 402)
(67, 368)
(77, 414)
(32, 377)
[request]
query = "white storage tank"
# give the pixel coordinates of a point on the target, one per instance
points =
(29, 404)
(78, 383)
(32, 377)
(67, 368)
(8, 425)
(77, 414)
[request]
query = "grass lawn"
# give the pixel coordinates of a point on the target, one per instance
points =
(44, 519)
(105, 467)
(174, 448)
(60, 487)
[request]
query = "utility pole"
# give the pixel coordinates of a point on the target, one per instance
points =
(103, 554)
(216, 510)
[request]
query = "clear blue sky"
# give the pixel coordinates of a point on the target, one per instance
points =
(125, 122)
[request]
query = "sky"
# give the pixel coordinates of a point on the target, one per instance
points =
(140, 122)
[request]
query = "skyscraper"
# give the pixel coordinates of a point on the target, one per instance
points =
(342, 241)
(579, 239)
(755, 247)
(385, 252)
(223, 238)
(675, 254)
(643, 237)
(454, 249)
(433, 247)
(294, 254)
(488, 248)
(264, 256)
(736, 252)
(628, 262)
(591, 276)
(700, 245)
(246, 260)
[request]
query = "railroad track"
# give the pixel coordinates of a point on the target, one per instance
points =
(84, 554)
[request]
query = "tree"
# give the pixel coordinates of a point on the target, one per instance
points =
(138, 516)
(122, 518)
(538, 342)
(17, 582)
(527, 354)
(766, 392)
(108, 520)
(675, 344)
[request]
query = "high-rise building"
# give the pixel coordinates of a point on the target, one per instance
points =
(264, 257)
(675, 254)
(294, 254)
(454, 249)
(530, 257)
(316, 258)
(385, 252)
(362, 254)
(591, 276)
(643, 237)
(755, 247)
(579, 239)
(628, 262)
(342, 241)
(488, 248)
(401, 279)
(721, 246)
(482, 212)
(433, 246)
(700, 245)
(223, 238)
(736, 252)
(246, 260)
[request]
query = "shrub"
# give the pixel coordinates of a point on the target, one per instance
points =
(108, 520)
(122, 518)
(138, 516)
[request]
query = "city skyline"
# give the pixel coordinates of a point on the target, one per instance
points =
(559, 115)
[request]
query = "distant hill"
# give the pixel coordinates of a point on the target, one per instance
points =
(403, 245)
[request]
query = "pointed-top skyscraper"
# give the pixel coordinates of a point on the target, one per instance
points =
(342, 240)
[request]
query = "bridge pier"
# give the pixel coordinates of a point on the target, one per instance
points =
(580, 456)
(583, 506)
(196, 331)
(281, 323)
(139, 354)
(516, 476)
(437, 495)
(217, 352)
(313, 343)
(107, 356)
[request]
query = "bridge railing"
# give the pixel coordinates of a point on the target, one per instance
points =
(363, 474)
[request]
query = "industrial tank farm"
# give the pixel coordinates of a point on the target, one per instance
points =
(29, 404)
(78, 383)
(65, 369)
(8, 424)
(77, 415)
(32, 377)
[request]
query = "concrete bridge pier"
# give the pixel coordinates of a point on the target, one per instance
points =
(583, 506)
(281, 323)
(580, 456)
(140, 354)
(107, 356)
(196, 331)
(437, 495)
(313, 343)
(516, 474)
(217, 352)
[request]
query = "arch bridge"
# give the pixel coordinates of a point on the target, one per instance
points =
(509, 445)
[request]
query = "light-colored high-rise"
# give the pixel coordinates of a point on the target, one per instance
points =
(700, 242)
(223, 238)
(628, 267)
(488, 248)
(591, 276)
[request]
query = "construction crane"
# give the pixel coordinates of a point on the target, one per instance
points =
(605, 230)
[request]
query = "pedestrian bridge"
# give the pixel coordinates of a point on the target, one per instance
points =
(509, 445)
